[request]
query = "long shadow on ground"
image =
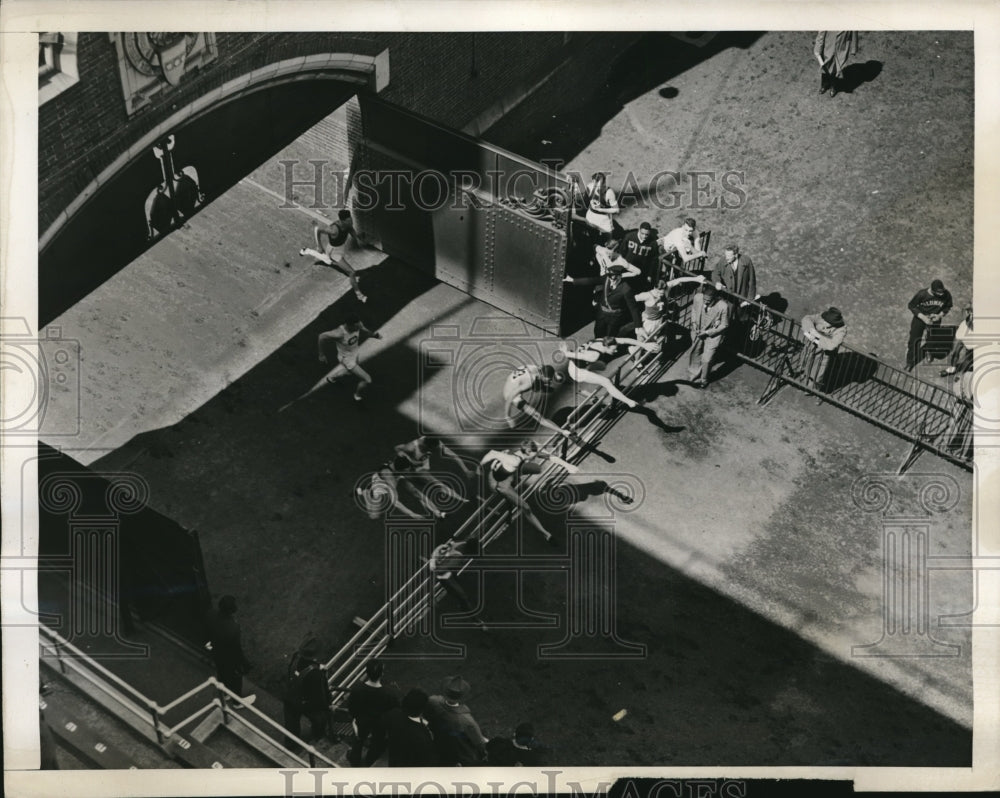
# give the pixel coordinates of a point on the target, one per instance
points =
(272, 498)
(650, 62)
(718, 684)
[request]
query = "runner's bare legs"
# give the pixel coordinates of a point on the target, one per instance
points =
(324, 255)
(364, 380)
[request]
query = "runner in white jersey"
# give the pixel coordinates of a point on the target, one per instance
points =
(654, 302)
(503, 470)
(520, 383)
(345, 341)
(601, 349)
(333, 251)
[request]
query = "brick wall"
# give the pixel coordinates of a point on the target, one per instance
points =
(451, 78)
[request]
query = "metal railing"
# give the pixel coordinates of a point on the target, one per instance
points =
(148, 717)
(927, 415)
(412, 601)
(931, 417)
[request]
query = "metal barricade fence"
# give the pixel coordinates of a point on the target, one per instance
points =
(931, 417)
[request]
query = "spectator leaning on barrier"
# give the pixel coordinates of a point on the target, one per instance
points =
(456, 733)
(735, 273)
(959, 432)
(679, 245)
(928, 306)
(824, 334)
(709, 322)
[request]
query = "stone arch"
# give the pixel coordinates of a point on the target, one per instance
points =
(370, 73)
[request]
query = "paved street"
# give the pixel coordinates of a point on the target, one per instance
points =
(748, 572)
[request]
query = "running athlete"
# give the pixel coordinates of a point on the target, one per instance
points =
(503, 470)
(521, 381)
(346, 339)
(654, 301)
(380, 493)
(332, 252)
(605, 350)
(418, 454)
(420, 451)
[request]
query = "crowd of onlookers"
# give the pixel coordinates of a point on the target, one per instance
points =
(411, 729)
(635, 267)
(414, 729)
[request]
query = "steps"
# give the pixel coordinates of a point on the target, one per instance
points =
(94, 737)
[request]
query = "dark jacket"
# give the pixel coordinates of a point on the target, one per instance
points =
(410, 743)
(926, 302)
(224, 634)
(643, 254)
(743, 284)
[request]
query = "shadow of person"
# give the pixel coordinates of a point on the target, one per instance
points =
(857, 74)
(849, 367)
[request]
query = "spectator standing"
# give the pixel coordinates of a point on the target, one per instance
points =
(709, 321)
(456, 733)
(227, 649)
(735, 273)
(824, 334)
(368, 702)
(928, 306)
(638, 247)
(308, 692)
(602, 204)
(832, 49)
(523, 750)
(411, 744)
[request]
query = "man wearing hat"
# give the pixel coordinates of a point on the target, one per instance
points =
(928, 306)
(709, 321)
(824, 334)
(456, 733)
(617, 311)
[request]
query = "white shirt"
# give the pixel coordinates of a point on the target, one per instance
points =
(678, 239)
